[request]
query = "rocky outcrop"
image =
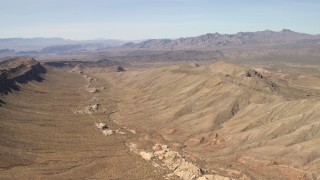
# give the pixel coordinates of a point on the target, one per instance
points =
(88, 109)
(163, 156)
(213, 177)
(120, 69)
(19, 70)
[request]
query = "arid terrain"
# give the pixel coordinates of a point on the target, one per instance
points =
(215, 106)
(160, 90)
(49, 131)
(98, 120)
(229, 119)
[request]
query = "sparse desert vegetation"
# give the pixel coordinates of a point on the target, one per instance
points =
(150, 89)
(43, 137)
(188, 121)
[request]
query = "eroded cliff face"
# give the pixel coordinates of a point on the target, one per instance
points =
(19, 70)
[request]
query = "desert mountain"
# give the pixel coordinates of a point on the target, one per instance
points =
(48, 132)
(18, 70)
(194, 121)
(229, 118)
(209, 41)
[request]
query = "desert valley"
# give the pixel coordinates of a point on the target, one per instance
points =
(242, 106)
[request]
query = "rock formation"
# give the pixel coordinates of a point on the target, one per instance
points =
(19, 70)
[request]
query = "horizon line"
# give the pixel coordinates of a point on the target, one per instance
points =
(128, 40)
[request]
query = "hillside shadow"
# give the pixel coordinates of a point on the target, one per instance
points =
(32, 75)
(24, 80)
(1, 102)
(9, 85)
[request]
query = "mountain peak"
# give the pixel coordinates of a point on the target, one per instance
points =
(287, 31)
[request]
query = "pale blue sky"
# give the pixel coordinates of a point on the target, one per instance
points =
(143, 19)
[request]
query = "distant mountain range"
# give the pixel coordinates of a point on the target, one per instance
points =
(207, 42)
(38, 44)
(216, 40)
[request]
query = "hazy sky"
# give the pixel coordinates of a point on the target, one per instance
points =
(143, 19)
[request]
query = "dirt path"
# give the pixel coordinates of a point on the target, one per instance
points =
(43, 138)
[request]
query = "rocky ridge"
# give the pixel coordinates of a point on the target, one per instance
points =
(19, 70)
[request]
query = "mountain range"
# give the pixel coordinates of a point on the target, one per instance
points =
(39, 44)
(216, 40)
(206, 42)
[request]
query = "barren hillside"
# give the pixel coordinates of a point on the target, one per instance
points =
(50, 130)
(230, 119)
(188, 121)
(18, 70)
